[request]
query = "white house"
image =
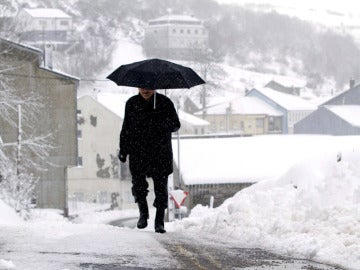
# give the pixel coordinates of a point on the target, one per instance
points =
(99, 176)
(294, 108)
(191, 124)
(41, 26)
(243, 115)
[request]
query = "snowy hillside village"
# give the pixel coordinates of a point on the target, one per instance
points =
(84, 117)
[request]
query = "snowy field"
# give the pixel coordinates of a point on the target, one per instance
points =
(312, 211)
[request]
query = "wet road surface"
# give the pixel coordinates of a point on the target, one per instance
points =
(207, 254)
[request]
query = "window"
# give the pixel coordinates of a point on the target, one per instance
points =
(42, 23)
(189, 31)
(79, 161)
(93, 120)
(221, 125)
(80, 120)
(65, 23)
(181, 31)
(174, 31)
(259, 122)
(79, 134)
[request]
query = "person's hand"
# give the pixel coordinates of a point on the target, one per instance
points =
(122, 157)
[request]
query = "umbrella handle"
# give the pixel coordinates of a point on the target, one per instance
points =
(154, 99)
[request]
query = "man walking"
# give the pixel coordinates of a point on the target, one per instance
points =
(145, 137)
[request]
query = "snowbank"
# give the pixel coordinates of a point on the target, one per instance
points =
(8, 215)
(312, 211)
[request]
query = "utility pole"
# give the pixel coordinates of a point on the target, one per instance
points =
(18, 154)
(178, 145)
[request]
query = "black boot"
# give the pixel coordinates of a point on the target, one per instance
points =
(159, 220)
(144, 214)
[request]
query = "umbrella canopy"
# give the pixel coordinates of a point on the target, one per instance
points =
(155, 74)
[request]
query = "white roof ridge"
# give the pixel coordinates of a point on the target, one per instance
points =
(46, 13)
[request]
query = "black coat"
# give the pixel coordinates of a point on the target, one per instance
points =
(146, 134)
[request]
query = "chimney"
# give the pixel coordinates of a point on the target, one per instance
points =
(352, 83)
(48, 56)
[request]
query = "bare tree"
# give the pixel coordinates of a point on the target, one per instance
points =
(211, 72)
(19, 159)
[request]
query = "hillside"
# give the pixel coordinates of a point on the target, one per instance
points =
(254, 41)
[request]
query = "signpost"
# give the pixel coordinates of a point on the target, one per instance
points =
(178, 196)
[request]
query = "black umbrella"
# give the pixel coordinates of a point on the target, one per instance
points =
(155, 74)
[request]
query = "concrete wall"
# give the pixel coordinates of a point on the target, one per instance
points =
(57, 117)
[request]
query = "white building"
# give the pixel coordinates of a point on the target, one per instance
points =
(99, 175)
(245, 116)
(294, 108)
(40, 26)
(175, 36)
(191, 124)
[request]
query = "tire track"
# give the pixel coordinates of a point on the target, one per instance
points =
(207, 254)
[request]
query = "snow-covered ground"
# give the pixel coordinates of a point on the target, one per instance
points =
(311, 211)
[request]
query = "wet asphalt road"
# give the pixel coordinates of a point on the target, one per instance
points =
(207, 254)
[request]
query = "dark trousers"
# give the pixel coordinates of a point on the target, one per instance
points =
(140, 189)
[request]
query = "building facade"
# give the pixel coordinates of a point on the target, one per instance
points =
(40, 26)
(245, 116)
(175, 36)
(292, 89)
(57, 117)
(293, 108)
(99, 176)
(338, 116)
(338, 120)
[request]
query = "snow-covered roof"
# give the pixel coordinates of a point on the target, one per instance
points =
(116, 103)
(192, 120)
(175, 18)
(215, 100)
(287, 101)
(22, 45)
(244, 105)
(248, 159)
(289, 81)
(60, 73)
(46, 13)
(40, 53)
(350, 113)
(329, 100)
